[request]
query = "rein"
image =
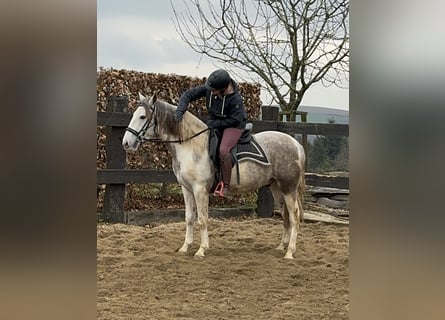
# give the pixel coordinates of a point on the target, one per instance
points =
(175, 141)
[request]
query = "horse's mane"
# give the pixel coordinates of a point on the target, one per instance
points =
(165, 115)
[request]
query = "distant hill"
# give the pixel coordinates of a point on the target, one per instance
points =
(324, 115)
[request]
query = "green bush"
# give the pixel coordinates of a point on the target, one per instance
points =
(328, 153)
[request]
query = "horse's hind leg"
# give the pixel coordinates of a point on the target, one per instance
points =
(286, 229)
(190, 217)
(278, 199)
(294, 210)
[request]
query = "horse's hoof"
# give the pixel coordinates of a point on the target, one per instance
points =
(183, 249)
(199, 256)
(200, 253)
(288, 255)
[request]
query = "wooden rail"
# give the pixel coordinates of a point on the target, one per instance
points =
(122, 176)
(116, 176)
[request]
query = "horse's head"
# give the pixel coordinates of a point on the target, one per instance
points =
(142, 124)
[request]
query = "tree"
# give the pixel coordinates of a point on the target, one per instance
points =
(285, 45)
(328, 153)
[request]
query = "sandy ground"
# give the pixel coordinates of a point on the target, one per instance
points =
(141, 276)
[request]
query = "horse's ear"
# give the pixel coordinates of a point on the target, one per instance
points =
(141, 97)
(155, 96)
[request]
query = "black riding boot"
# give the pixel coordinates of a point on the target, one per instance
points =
(226, 170)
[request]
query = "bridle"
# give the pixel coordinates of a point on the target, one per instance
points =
(140, 135)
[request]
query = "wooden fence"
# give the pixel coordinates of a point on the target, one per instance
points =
(116, 176)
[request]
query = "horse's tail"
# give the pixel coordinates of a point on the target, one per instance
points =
(301, 188)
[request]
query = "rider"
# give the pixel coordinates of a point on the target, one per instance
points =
(227, 115)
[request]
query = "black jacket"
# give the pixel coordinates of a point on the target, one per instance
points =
(227, 111)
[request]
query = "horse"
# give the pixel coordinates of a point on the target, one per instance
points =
(188, 142)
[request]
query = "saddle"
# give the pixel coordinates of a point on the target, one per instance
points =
(246, 148)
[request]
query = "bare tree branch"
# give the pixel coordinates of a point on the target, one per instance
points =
(285, 45)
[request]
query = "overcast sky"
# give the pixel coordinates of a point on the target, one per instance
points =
(140, 35)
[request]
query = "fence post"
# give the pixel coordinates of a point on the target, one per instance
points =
(269, 113)
(113, 209)
(304, 135)
(265, 203)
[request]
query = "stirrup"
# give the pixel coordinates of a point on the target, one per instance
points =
(219, 190)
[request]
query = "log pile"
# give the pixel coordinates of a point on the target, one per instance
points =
(169, 87)
(330, 197)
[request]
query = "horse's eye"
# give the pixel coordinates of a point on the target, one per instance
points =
(143, 117)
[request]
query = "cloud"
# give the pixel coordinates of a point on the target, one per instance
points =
(129, 42)
(147, 9)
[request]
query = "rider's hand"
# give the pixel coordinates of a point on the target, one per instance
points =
(213, 124)
(178, 115)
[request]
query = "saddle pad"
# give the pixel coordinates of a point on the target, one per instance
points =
(251, 151)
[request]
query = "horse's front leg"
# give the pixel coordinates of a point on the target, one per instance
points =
(190, 217)
(202, 206)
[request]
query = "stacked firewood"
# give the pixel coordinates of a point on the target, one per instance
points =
(169, 88)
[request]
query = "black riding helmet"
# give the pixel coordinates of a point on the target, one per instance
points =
(218, 80)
